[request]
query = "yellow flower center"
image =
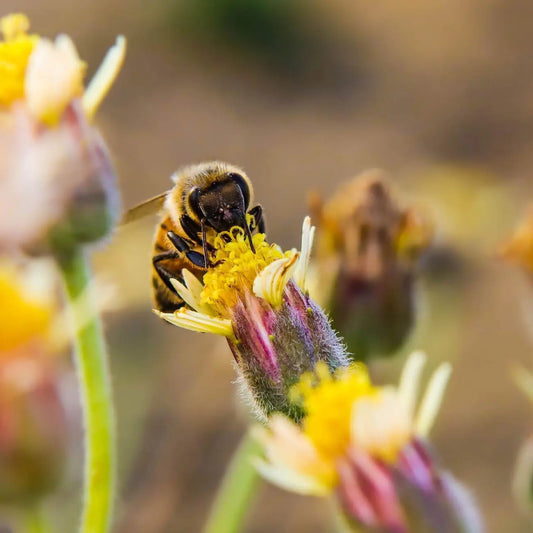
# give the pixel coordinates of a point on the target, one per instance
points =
(21, 318)
(15, 51)
(236, 268)
(328, 402)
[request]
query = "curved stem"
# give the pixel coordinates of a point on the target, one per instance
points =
(96, 396)
(236, 491)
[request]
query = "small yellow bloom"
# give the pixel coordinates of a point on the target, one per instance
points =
(346, 414)
(48, 75)
(23, 316)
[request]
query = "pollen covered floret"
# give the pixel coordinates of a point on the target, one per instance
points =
(327, 400)
(15, 52)
(365, 444)
(258, 300)
(236, 268)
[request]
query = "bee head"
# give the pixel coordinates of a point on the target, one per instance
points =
(222, 204)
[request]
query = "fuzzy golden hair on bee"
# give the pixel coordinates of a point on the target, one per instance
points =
(201, 176)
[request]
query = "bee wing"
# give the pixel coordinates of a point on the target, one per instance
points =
(144, 209)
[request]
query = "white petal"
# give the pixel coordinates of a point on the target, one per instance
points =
(270, 283)
(104, 77)
(53, 78)
(191, 292)
(410, 381)
(429, 407)
(380, 424)
(291, 480)
(194, 321)
(308, 234)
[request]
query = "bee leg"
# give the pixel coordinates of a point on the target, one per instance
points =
(259, 220)
(179, 242)
(196, 258)
(165, 274)
(191, 228)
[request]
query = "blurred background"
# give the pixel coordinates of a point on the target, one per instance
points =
(304, 95)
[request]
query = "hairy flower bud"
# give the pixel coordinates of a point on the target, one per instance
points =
(258, 301)
(366, 257)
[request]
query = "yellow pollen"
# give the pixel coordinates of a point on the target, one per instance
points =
(328, 401)
(236, 268)
(15, 51)
(21, 318)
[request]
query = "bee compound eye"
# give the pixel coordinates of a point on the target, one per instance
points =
(241, 182)
(194, 202)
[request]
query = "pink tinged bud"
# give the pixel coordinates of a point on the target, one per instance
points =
(410, 495)
(432, 497)
(57, 184)
(273, 348)
(368, 494)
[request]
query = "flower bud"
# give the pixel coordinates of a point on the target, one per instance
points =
(258, 300)
(57, 183)
(366, 258)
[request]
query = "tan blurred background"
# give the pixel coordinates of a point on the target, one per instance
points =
(303, 96)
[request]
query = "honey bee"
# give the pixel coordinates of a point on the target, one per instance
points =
(206, 199)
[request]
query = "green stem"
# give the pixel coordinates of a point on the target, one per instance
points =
(236, 491)
(96, 396)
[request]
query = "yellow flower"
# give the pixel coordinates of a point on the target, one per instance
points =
(47, 76)
(24, 314)
(257, 298)
(345, 413)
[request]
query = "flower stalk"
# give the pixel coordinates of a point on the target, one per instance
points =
(236, 491)
(96, 396)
